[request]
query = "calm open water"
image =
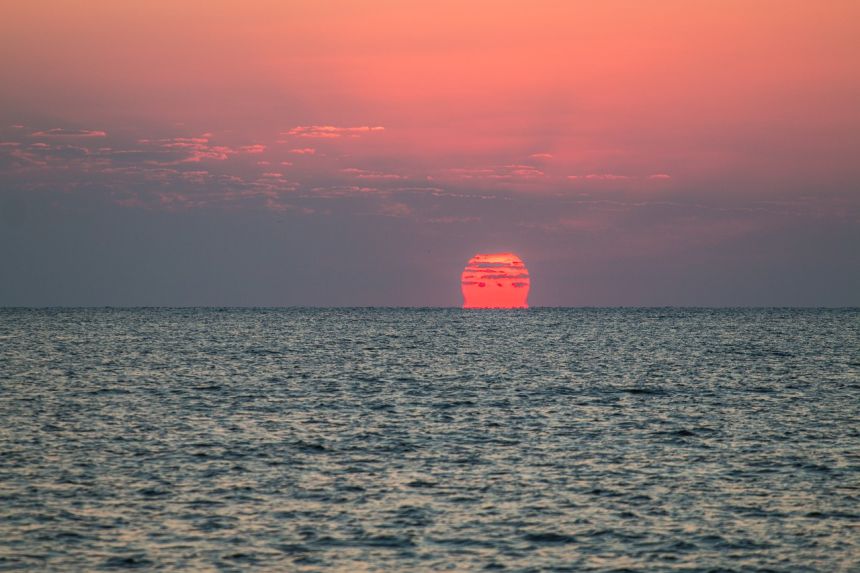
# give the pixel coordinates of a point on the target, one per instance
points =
(386, 440)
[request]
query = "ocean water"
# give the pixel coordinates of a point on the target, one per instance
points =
(430, 440)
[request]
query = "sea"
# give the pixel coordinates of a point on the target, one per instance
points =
(279, 439)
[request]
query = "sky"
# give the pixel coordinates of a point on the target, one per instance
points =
(352, 153)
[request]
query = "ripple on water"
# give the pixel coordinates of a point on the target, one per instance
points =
(308, 440)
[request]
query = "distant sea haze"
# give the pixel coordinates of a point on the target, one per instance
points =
(430, 439)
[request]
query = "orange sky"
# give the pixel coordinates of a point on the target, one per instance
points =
(566, 77)
(562, 118)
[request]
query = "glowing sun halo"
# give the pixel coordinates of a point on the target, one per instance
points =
(495, 280)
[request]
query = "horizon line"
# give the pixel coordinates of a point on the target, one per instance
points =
(383, 307)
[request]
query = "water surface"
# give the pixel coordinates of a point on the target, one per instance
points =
(384, 440)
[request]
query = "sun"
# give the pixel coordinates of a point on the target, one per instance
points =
(495, 280)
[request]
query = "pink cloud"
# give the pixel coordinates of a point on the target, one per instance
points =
(600, 177)
(509, 173)
(524, 171)
(366, 174)
(472, 173)
(256, 148)
(60, 132)
(218, 153)
(28, 158)
(616, 177)
(541, 156)
(303, 151)
(331, 131)
(197, 149)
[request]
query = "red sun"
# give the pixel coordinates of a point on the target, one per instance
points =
(496, 280)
